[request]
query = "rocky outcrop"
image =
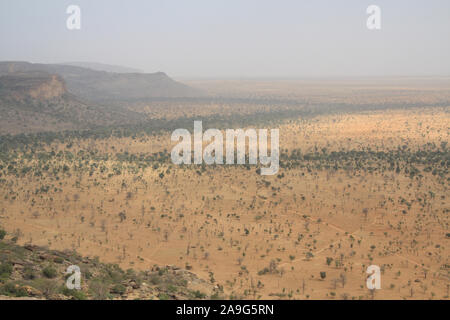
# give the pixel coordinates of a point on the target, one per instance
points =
(32, 272)
(39, 86)
(107, 87)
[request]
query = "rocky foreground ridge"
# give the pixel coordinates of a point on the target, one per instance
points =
(32, 272)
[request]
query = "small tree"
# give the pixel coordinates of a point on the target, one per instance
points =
(343, 279)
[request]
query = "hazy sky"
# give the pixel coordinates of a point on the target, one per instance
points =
(234, 38)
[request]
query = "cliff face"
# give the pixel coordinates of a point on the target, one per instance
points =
(49, 88)
(39, 101)
(38, 86)
(107, 87)
(49, 97)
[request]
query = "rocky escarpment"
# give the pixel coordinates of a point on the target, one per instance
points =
(38, 86)
(50, 97)
(39, 101)
(100, 87)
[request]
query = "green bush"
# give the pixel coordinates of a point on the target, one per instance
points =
(28, 273)
(172, 288)
(46, 286)
(58, 260)
(99, 289)
(118, 289)
(2, 234)
(163, 296)
(5, 270)
(49, 272)
(155, 280)
(198, 295)
(75, 294)
(11, 289)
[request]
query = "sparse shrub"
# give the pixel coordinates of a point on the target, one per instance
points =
(75, 294)
(28, 273)
(118, 289)
(49, 272)
(329, 260)
(155, 280)
(163, 296)
(6, 269)
(46, 286)
(58, 260)
(198, 295)
(99, 289)
(272, 269)
(162, 271)
(13, 289)
(172, 288)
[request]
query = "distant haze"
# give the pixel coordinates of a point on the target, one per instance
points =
(234, 39)
(103, 67)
